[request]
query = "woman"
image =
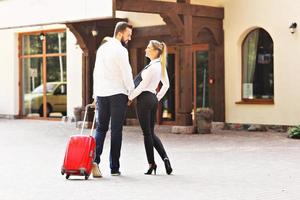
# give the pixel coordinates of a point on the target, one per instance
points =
(146, 83)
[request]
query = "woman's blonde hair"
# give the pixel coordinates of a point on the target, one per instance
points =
(161, 47)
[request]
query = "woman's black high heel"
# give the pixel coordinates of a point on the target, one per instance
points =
(168, 166)
(151, 168)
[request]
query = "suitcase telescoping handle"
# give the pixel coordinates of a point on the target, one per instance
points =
(84, 118)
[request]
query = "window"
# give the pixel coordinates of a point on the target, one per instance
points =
(43, 63)
(257, 71)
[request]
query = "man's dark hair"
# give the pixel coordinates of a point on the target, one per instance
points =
(121, 26)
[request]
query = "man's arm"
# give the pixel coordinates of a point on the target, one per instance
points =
(165, 86)
(126, 70)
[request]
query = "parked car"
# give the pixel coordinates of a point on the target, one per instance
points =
(56, 98)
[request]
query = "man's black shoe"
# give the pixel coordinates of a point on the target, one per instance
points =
(115, 173)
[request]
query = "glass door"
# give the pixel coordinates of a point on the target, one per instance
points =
(32, 86)
(43, 68)
(167, 105)
(56, 75)
(200, 78)
(32, 75)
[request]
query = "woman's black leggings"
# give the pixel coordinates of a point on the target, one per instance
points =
(146, 111)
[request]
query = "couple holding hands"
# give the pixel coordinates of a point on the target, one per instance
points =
(114, 89)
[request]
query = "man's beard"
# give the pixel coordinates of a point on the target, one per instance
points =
(124, 44)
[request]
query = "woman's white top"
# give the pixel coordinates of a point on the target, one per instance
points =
(151, 76)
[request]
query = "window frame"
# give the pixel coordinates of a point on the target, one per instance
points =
(44, 56)
(258, 101)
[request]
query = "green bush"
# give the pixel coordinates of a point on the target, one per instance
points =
(294, 132)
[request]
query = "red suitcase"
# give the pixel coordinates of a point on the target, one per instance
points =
(80, 153)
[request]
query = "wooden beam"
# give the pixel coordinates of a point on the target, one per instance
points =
(82, 31)
(160, 7)
(183, 1)
(188, 29)
(80, 39)
(142, 35)
(151, 31)
(142, 42)
(174, 23)
(186, 69)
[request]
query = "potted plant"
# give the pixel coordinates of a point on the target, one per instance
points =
(204, 118)
(294, 132)
(78, 114)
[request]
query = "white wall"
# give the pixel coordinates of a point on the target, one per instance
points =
(9, 73)
(216, 3)
(74, 71)
(32, 12)
(275, 17)
(141, 19)
(9, 67)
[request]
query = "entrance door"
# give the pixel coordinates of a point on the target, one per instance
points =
(201, 91)
(166, 110)
(43, 90)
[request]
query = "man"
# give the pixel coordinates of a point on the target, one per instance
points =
(113, 82)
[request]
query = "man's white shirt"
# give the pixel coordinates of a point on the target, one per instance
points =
(112, 71)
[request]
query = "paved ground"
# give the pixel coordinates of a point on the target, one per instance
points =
(224, 165)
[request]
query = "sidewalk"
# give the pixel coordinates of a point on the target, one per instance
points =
(225, 165)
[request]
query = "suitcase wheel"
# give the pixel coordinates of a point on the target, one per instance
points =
(67, 176)
(82, 172)
(86, 177)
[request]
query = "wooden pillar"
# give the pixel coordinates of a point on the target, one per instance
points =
(184, 116)
(220, 83)
(84, 76)
(133, 58)
(88, 61)
(212, 75)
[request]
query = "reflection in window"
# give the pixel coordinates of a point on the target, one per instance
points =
(32, 45)
(56, 42)
(61, 90)
(258, 79)
(49, 87)
(56, 68)
(202, 88)
(44, 63)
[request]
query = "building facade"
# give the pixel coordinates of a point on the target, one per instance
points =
(238, 58)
